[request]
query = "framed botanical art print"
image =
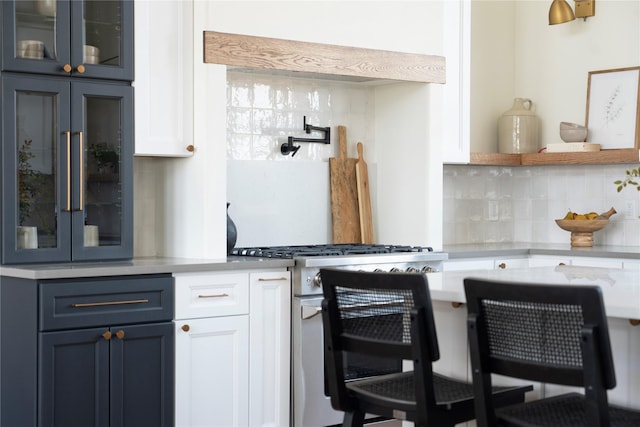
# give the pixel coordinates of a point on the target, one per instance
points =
(613, 113)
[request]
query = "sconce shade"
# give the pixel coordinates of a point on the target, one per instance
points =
(560, 12)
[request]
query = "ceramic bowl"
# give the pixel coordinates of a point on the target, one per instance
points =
(91, 50)
(30, 49)
(91, 59)
(572, 132)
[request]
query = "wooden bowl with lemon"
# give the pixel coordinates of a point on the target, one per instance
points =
(582, 226)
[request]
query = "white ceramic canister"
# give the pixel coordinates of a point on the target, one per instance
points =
(518, 128)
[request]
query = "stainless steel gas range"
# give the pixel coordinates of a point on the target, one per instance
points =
(310, 406)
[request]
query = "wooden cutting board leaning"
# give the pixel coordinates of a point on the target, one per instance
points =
(364, 198)
(344, 195)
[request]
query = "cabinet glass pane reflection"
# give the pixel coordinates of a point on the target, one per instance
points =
(36, 172)
(36, 29)
(102, 32)
(103, 189)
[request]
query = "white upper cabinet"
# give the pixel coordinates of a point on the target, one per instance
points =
(456, 140)
(164, 54)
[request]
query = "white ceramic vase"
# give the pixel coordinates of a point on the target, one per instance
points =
(518, 128)
(27, 237)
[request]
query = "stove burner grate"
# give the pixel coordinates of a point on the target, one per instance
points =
(325, 250)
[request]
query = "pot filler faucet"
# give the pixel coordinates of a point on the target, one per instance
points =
(288, 146)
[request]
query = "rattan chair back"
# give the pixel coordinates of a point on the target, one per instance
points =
(549, 333)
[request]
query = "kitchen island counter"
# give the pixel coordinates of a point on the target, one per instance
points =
(525, 249)
(620, 287)
(621, 293)
(151, 265)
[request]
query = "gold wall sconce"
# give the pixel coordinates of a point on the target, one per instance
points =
(560, 11)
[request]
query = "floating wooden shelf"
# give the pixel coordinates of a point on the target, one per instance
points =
(316, 59)
(627, 155)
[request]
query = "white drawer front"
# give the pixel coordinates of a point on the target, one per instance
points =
(209, 295)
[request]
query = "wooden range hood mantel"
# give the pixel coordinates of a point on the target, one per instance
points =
(316, 59)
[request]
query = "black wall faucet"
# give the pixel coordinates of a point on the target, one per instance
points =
(288, 146)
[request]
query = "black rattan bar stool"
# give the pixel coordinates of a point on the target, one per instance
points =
(549, 333)
(388, 316)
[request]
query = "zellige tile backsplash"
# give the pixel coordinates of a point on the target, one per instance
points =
(519, 204)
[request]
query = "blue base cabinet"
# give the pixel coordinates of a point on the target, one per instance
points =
(87, 352)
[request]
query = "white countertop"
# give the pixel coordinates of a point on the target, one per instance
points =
(474, 250)
(620, 288)
(150, 265)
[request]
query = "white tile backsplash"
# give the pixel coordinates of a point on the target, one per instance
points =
(520, 204)
(285, 200)
(263, 110)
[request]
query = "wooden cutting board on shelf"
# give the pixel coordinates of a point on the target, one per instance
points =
(344, 194)
(364, 198)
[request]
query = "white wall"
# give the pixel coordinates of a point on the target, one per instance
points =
(515, 53)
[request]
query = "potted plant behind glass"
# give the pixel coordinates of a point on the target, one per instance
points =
(27, 235)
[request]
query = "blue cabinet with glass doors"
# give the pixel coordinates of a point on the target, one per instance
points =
(86, 39)
(67, 131)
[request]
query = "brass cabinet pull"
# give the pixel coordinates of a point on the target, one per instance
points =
(68, 133)
(185, 328)
(120, 334)
(81, 69)
(107, 335)
(191, 148)
(456, 304)
(99, 304)
(67, 68)
(213, 296)
(275, 279)
(81, 203)
(634, 322)
(502, 266)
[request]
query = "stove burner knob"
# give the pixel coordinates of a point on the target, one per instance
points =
(317, 281)
(395, 270)
(412, 270)
(428, 269)
(379, 270)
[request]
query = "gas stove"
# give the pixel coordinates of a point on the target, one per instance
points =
(365, 257)
(325, 250)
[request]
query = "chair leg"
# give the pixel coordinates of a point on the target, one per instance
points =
(353, 419)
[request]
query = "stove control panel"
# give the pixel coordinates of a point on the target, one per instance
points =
(316, 282)
(307, 281)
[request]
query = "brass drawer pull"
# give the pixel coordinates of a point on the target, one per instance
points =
(213, 296)
(98, 304)
(275, 279)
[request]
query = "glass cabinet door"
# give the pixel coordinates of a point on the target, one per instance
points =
(102, 38)
(36, 146)
(33, 37)
(90, 38)
(67, 170)
(102, 193)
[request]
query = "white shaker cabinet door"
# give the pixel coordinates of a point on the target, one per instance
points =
(164, 78)
(269, 367)
(212, 380)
